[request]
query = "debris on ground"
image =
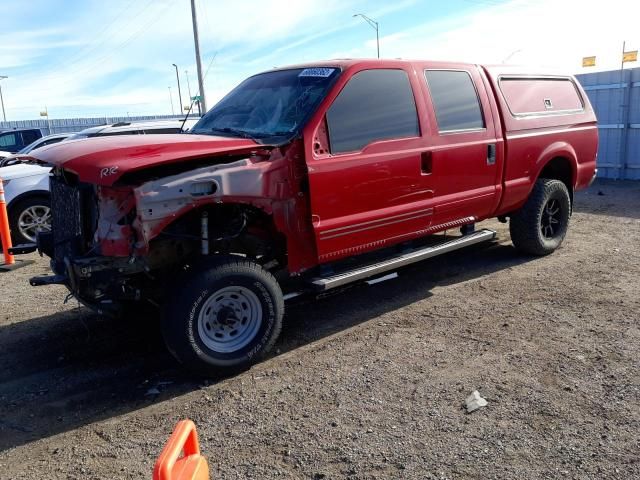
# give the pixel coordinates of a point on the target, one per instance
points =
(474, 402)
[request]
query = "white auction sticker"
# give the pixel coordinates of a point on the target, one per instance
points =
(316, 72)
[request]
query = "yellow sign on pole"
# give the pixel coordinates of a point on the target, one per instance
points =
(589, 61)
(631, 56)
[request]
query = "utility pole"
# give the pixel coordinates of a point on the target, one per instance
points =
(179, 91)
(202, 104)
(4, 115)
(373, 25)
(173, 112)
(45, 113)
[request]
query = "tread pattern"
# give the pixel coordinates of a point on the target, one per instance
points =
(190, 285)
(524, 225)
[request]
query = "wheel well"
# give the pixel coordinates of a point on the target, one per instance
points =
(232, 228)
(27, 195)
(559, 168)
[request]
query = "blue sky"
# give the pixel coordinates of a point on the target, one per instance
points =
(96, 58)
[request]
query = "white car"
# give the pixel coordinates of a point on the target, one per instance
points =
(12, 158)
(26, 190)
(26, 185)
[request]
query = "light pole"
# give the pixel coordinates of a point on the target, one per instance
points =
(374, 25)
(179, 91)
(173, 112)
(186, 73)
(202, 104)
(4, 115)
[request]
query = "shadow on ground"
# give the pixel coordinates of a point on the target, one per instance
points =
(70, 369)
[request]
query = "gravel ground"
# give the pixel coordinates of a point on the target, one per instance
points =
(368, 383)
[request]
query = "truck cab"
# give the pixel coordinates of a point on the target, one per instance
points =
(308, 177)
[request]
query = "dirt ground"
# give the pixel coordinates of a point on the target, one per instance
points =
(365, 384)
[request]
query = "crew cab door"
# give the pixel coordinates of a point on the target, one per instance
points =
(366, 184)
(467, 148)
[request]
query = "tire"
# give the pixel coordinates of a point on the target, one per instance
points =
(36, 207)
(540, 226)
(223, 317)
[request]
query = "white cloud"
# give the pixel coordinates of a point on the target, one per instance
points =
(143, 38)
(147, 36)
(549, 33)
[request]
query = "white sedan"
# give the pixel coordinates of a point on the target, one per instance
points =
(26, 188)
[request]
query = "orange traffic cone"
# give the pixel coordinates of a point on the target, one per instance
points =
(10, 262)
(180, 459)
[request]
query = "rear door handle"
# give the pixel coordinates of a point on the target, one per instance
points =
(491, 154)
(425, 163)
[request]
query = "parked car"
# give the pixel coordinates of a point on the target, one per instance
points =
(139, 128)
(11, 141)
(306, 178)
(41, 142)
(27, 185)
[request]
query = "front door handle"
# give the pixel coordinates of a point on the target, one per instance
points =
(491, 154)
(425, 163)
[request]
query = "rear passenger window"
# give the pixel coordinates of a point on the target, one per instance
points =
(30, 136)
(9, 141)
(455, 100)
(374, 105)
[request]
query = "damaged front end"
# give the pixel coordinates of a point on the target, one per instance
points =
(125, 242)
(90, 244)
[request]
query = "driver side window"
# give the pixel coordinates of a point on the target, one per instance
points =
(374, 105)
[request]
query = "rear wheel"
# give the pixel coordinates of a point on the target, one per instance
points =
(224, 317)
(28, 216)
(540, 226)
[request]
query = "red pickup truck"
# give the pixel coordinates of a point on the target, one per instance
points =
(305, 178)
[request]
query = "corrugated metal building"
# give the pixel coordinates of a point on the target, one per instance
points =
(615, 96)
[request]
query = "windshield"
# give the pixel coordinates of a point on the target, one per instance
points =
(26, 149)
(273, 104)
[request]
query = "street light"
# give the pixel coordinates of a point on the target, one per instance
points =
(173, 112)
(186, 72)
(179, 91)
(374, 25)
(4, 115)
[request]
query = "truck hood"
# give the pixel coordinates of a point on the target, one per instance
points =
(103, 160)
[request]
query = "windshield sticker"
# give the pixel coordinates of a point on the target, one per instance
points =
(316, 72)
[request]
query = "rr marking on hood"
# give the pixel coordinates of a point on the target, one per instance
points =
(108, 171)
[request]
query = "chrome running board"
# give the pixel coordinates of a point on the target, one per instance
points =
(397, 261)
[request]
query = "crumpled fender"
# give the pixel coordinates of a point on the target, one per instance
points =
(161, 201)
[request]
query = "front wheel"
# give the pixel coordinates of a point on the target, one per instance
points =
(540, 226)
(224, 317)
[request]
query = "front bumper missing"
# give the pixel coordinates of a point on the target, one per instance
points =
(99, 283)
